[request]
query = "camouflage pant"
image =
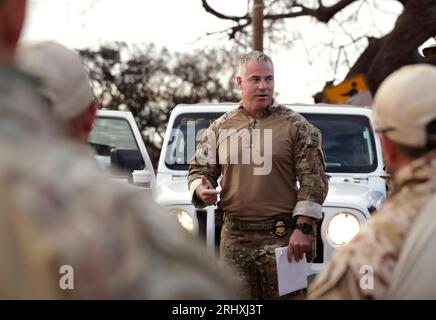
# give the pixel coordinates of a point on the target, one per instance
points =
(251, 254)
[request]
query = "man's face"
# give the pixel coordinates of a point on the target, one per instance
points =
(257, 85)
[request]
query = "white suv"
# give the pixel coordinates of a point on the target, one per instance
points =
(357, 184)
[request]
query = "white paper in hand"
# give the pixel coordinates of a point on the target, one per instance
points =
(291, 276)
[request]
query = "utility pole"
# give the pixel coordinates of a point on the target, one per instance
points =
(257, 17)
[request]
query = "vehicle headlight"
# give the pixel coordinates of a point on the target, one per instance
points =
(341, 228)
(185, 219)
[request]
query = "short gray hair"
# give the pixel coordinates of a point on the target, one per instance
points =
(254, 55)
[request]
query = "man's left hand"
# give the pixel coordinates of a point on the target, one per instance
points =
(299, 243)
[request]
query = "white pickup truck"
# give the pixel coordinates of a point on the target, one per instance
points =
(357, 184)
(120, 149)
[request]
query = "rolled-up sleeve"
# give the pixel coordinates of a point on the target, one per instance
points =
(204, 163)
(310, 170)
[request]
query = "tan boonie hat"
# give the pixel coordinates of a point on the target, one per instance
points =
(65, 81)
(405, 103)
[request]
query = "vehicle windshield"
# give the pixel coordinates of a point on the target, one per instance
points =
(348, 141)
(110, 133)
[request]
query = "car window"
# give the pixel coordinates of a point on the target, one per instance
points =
(109, 133)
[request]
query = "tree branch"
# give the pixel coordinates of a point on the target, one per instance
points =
(326, 13)
(323, 14)
(398, 48)
(234, 30)
(217, 14)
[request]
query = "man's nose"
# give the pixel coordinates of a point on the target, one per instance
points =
(263, 84)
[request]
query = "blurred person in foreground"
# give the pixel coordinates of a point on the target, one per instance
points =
(66, 231)
(392, 257)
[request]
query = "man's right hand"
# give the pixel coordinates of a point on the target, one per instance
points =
(204, 193)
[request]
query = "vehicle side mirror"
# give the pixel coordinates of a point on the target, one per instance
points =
(142, 178)
(127, 160)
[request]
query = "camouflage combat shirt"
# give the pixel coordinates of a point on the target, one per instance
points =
(260, 160)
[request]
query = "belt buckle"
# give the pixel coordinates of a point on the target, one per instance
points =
(280, 228)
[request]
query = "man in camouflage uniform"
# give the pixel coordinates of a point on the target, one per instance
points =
(373, 265)
(259, 202)
(66, 231)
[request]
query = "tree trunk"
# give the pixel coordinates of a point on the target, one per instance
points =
(258, 25)
(383, 56)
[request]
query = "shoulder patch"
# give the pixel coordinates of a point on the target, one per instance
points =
(304, 127)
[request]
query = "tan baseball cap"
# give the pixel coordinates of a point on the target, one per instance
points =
(405, 103)
(65, 81)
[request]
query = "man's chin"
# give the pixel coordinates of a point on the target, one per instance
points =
(262, 103)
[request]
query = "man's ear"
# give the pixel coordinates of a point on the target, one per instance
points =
(390, 150)
(89, 117)
(239, 82)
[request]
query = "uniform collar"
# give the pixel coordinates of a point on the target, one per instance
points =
(422, 170)
(269, 110)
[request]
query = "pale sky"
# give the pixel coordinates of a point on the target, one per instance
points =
(179, 24)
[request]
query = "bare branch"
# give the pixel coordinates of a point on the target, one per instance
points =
(326, 13)
(273, 2)
(217, 14)
(304, 11)
(234, 30)
(322, 14)
(337, 62)
(294, 8)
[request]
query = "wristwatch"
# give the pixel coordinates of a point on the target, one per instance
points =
(306, 228)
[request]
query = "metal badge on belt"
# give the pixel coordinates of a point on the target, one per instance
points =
(280, 228)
